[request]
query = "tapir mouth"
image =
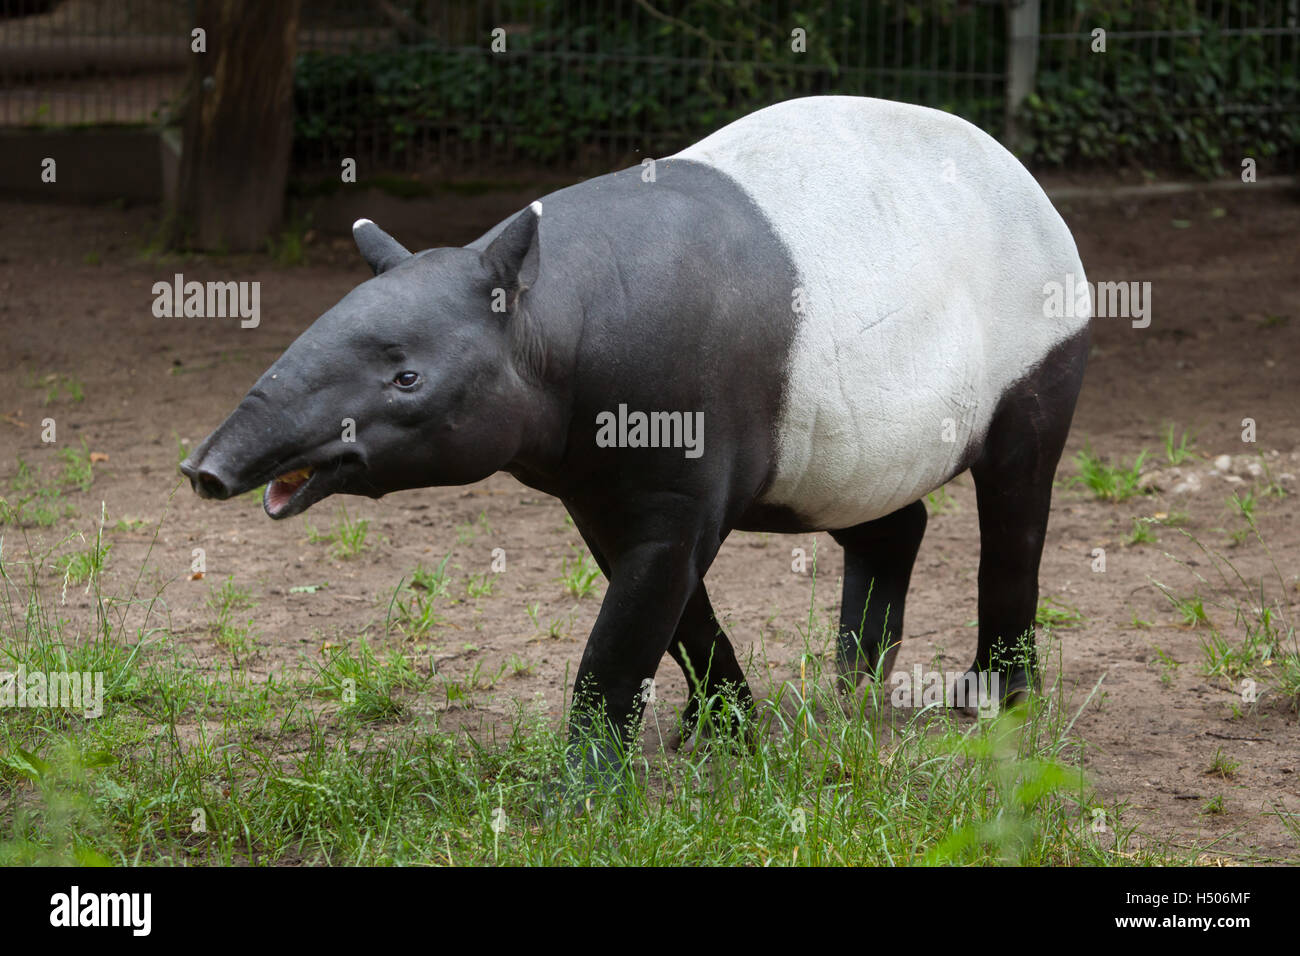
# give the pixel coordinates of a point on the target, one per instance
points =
(293, 492)
(280, 491)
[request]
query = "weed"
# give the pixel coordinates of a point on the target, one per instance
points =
(1053, 613)
(1178, 453)
(582, 577)
(1141, 533)
(346, 538)
(1223, 766)
(1110, 482)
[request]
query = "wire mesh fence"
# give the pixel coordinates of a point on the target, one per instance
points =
(587, 83)
(454, 85)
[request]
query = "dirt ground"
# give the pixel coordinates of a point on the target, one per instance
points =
(75, 300)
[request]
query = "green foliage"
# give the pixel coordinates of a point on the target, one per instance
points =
(78, 566)
(33, 502)
(365, 685)
(1142, 533)
(68, 387)
(347, 538)
(1200, 102)
(77, 470)
(1179, 452)
(591, 78)
(276, 778)
(1110, 482)
(231, 633)
(582, 577)
(607, 80)
(414, 606)
(1054, 613)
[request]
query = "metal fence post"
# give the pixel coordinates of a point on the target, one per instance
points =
(1022, 61)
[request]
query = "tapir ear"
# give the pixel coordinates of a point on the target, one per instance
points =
(380, 250)
(512, 257)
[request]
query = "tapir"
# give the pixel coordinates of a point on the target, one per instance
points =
(845, 296)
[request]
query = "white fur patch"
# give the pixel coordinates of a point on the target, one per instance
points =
(922, 248)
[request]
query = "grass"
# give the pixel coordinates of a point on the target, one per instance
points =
(235, 635)
(550, 628)
(77, 470)
(346, 538)
(1168, 666)
(36, 500)
(940, 502)
(345, 761)
(580, 578)
(413, 609)
(1177, 452)
(1108, 481)
(1191, 610)
(62, 388)
(1141, 533)
(1053, 613)
(466, 533)
(480, 585)
(1244, 506)
(1260, 647)
(78, 567)
(1223, 766)
(365, 685)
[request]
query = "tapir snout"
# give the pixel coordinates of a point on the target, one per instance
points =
(406, 382)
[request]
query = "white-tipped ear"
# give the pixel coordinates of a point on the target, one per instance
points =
(380, 250)
(513, 255)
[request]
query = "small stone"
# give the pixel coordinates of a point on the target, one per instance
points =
(1223, 463)
(1189, 485)
(1155, 480)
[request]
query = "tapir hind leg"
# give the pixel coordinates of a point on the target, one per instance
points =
(1013, 488)
(878, 559)
(704, 653)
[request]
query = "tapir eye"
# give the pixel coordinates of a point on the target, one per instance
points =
(406, 379)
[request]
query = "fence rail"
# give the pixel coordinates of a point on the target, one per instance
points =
(581, 84)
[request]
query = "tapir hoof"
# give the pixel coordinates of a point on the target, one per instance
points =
(988, 693)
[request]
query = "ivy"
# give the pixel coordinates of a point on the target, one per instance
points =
(1198, 103)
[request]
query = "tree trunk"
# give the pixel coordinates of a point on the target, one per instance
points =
(238, 125)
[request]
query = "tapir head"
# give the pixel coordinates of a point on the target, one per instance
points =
(407, 382)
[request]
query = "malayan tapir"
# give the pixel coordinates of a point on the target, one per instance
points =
(846, 297)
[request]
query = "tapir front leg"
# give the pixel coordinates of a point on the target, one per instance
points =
(699, 645)
(656, 557)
